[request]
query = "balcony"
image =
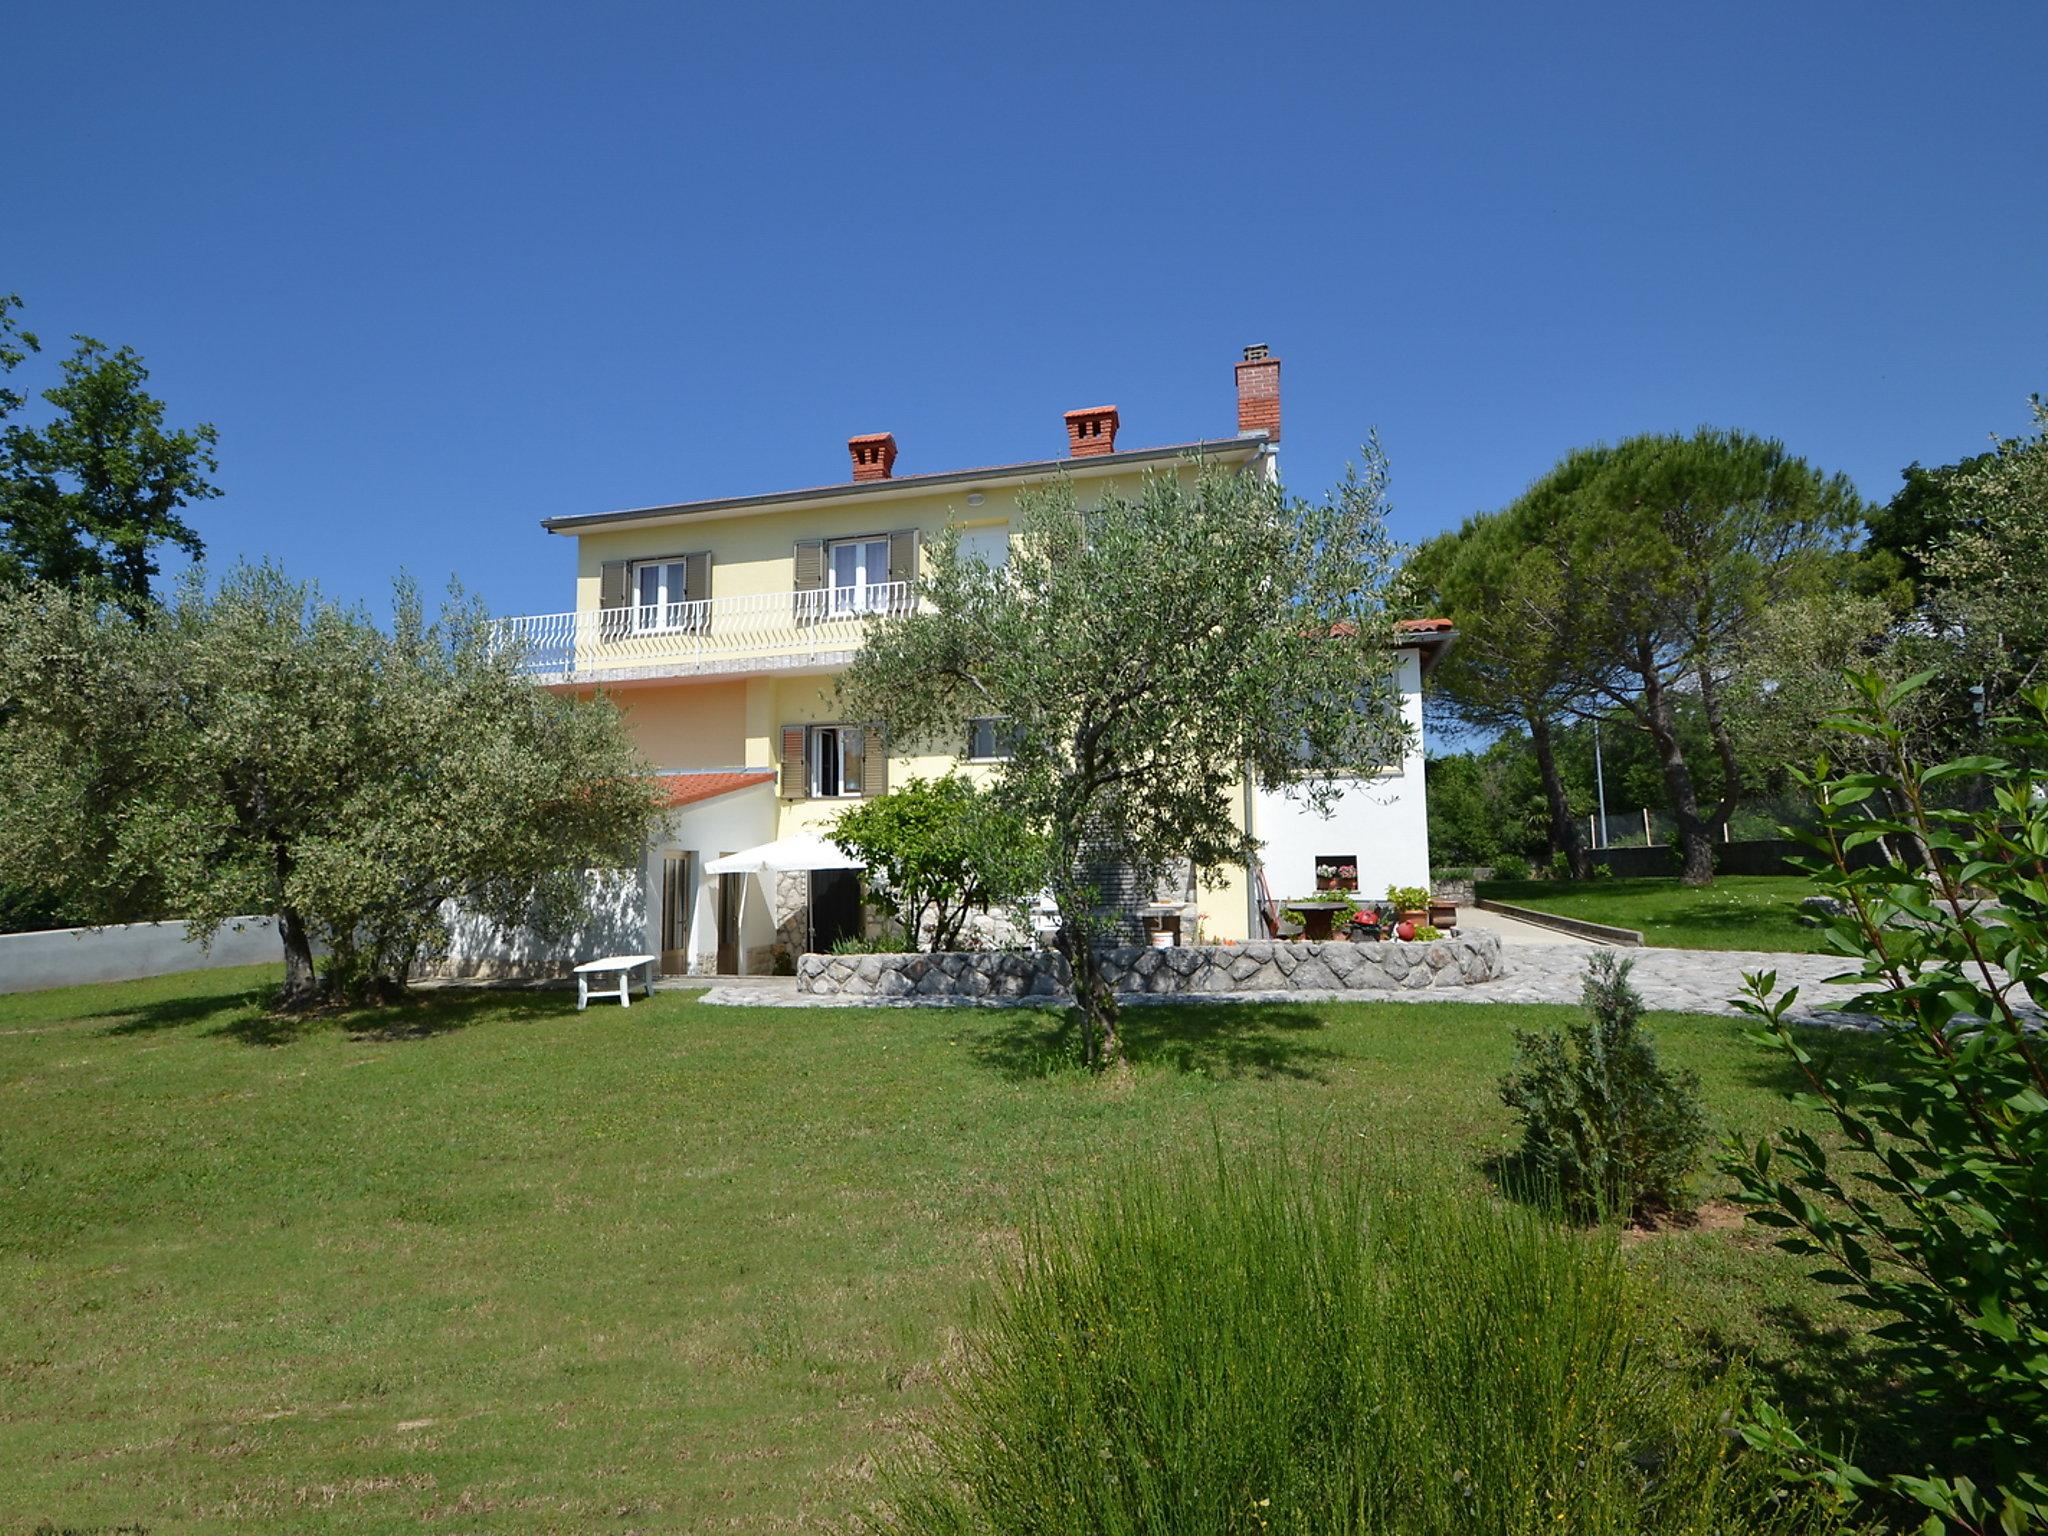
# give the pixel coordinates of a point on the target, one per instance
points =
(723, 636)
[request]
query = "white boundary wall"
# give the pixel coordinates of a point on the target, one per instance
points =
(64, 957)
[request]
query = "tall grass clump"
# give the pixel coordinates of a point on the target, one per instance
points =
(1273, 1346)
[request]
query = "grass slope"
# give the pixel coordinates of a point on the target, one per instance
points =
(484, 1262)
(1735, 912)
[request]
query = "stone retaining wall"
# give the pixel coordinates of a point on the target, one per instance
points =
(1206, 971)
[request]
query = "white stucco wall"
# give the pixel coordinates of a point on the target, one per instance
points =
(615, 922)
(745, 818)
(625, 906)
(1383, 819)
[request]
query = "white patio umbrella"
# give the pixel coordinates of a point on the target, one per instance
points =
(803, 851)
(785, 855)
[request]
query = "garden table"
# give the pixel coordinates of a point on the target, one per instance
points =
(621, 965)
(1316, 916)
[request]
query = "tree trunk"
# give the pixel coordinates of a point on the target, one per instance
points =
(1724, 747)
(1564, 827)
(301, 986)
(1695, 835)
(1094, 1001)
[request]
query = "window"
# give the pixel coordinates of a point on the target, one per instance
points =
(660, 598)
(991, 546)
(858, 572)
(838, 761)
(991, 738)
(1336, 871)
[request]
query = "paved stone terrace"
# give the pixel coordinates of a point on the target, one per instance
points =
(1681, 980)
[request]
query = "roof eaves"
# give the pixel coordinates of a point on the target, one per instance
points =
(1215, 447)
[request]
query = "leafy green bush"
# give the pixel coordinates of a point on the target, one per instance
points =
(1611, 1130)
(1249, 1346)
(938, 849)
(1935, 1218)
(1510, 869)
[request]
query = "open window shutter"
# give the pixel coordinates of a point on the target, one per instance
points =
(903, 562)
(613, 587)
(796, 779)
(875, 763)
(697, 589)
(810, 577)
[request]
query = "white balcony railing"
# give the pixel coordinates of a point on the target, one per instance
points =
(762, 632)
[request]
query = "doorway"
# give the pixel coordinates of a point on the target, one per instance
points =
(729, 889)
(678, 891)
(835, 907)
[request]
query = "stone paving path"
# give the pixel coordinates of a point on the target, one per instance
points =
(1684, 980)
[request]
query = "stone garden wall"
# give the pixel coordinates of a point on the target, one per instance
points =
(1206, 971)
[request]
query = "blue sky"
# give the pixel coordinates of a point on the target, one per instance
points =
(438, 271)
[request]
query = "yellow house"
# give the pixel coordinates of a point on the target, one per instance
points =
(718, 627)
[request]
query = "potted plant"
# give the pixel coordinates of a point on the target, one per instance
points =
(1411, 902)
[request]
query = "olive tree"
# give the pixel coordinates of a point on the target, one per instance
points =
(1149, 650)
(263, 749)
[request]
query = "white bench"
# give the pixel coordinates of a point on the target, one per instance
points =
(623, 966)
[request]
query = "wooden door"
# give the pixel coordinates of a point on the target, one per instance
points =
(678, 895)
(729, 888)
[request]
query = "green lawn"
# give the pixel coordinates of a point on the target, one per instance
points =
(482, 1262)
(1735, 912)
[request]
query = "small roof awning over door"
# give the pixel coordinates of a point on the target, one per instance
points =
(803, 851)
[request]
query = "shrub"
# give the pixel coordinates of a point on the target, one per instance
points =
(1511, 869)
(887, 942)
(1935, 1217)
(1603, 871)
(1257, 1345)
(1609, 1129)
(1408, 898)
(937, 849)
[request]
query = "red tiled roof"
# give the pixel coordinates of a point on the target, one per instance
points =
(688, 788)
(1344, 629)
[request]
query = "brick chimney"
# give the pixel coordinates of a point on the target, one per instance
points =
(874, 455)
(1258, 394)
(1091, 432)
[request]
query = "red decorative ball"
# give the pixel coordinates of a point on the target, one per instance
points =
(1406, 930)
